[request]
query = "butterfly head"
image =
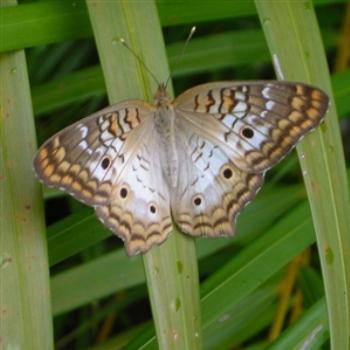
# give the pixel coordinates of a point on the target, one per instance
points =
(161, 97)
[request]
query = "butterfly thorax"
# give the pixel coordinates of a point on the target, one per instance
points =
(164, 119)
(161, 97)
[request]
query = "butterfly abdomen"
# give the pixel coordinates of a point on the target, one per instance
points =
(165, 126)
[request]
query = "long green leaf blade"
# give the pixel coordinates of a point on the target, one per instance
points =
(46, 22)
(293, 37)
(171, 269)
(309, 332)
(25, 310)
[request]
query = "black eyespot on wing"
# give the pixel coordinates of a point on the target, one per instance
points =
(152, 209)
(197, 201)
(247, 133)
(105, 163)
(123, 192)
(227, 173)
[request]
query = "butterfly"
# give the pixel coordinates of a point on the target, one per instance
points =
(196, 161)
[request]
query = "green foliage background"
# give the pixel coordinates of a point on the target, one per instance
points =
(99, 296)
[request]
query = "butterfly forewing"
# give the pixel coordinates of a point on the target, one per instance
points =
(255, 123)
(87, 157)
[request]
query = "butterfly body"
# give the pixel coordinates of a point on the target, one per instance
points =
(197, 160)
(164, 120)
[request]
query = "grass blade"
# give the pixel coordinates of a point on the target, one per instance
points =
(24, 275)
(310, 332)
(293, 37)
(171, 269)
(46, 22)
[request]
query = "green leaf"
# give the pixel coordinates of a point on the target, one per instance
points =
(171, 269)
(309, 332)
(47, 22)
(24, 276)
(302, 58)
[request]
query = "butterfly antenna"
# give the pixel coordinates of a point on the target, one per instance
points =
(193, 29)
(122, 40)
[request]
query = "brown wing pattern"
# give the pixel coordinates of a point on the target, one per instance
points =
(139, 212)
(105, 161)
(86, 158)
(228, 135)
(211, 190)
(255, 123)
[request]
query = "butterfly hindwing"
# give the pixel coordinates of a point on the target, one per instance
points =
(211, 190)
(255, 123)
(139, 212)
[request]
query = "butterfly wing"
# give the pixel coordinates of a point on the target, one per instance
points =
(86, 158)
(110, 160)
(228, 135)
(211, 190)
(255, 123)
(140, 210)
